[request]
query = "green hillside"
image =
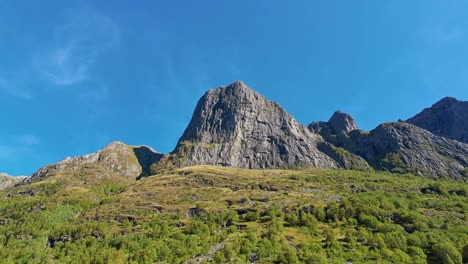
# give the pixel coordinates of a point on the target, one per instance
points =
(209, 214)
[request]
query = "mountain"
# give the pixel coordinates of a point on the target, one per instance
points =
(7, 181)
(402, 147)
(116, 158)
(338, 125)
(397, 147)
(447, 118)
(234, 126)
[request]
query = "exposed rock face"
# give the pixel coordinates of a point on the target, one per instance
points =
(7, 181)
(402, 147)
(342, 122)
(447, 118)
(338, 126)
(399, 147)
(236, 127)
(127, 161)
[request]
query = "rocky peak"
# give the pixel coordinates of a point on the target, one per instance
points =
(447, 118)
(235, 126)
(342, 122)
(7, 181)
(124, 160)
(446, 101)
(402, 147)
(335, 130)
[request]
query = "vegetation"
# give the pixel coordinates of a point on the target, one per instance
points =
(220, 215)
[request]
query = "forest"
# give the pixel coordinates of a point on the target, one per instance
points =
(209, 214)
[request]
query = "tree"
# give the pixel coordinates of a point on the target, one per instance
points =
(445, 253)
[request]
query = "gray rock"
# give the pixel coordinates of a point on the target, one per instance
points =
(7, 181)
(237, 127)
(447, 118)
(402, 147)
(342, 122)
(335, 131)
(128, 161)
(396, 147)
(338, 126)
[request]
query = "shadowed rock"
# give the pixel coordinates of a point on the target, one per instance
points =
(342, 122)
(447, 118)
(396, 147)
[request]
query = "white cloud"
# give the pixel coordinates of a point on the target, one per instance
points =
(77, 45)
(67, 66)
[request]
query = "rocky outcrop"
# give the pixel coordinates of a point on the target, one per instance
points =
(402, 147)
(236, 127)
(342, 122)
(7, 181)
(127, 161)
(447, 118)
(396, 147)
(338, 126)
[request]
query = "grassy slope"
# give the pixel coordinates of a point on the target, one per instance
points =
(313, 216)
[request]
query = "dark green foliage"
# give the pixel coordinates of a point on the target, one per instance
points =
(445, 253)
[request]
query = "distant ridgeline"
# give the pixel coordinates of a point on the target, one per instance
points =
(234, 126)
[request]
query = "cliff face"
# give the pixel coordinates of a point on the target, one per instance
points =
(127, 161)
(397, 147)
(236, 127)
(402, 147)
(447, 118)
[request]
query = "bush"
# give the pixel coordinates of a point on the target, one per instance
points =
(368, 221)
(445, 253)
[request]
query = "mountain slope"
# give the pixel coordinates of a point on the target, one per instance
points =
(402, 147)
(397, 147)
(120, 159)
(234, 126)
(261, 216)
(447, 118)
(7, 181)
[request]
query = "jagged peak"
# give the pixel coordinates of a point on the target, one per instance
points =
(236, 88)
(342, 122)
(4, 174)
(120, 144)
(237, 85)
(447, 102)
(448, 99)
(115, 144)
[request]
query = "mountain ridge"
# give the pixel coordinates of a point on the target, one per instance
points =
(235, 126)
(448, 118)
(127, 161)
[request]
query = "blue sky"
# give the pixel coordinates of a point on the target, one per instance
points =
(75, 75)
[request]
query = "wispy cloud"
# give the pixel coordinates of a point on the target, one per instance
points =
(77, 46)
(67, 65)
